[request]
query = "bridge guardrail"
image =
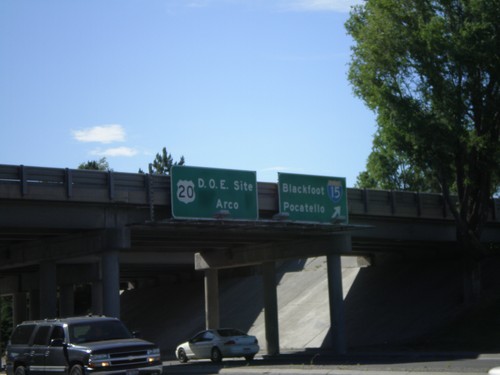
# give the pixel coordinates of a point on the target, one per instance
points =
(40, 183)
(397, 203)
(63, 184)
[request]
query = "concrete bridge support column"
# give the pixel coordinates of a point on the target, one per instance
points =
(48, 289)
(116, 239)
(96, 291)
(66, 300)
(336, 294)
(271, 308)
(34, 305)
(19, 308)
(110, 269)
(211, 298)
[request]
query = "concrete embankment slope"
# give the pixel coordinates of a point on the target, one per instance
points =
(384, 304)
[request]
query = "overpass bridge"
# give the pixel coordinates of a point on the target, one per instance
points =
(64, 227)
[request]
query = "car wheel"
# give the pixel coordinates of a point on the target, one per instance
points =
(216, 356)
(20, 370)
(249, 357)
(181, 354)
(76, 370)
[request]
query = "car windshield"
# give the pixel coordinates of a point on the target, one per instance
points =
(98, 331)
(227, 332)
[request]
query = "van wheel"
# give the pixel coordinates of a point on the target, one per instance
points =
(76, 370)
(20, 370)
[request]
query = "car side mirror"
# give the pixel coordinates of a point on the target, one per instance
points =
(137, 334)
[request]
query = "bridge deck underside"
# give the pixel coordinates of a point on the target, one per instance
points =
(169, 247)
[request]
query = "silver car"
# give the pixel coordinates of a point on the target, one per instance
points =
(216, 344)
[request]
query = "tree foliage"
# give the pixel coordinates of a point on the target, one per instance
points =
(431, 71)
(391, 170)
(96, 165)
(5, 321)
(163, 162)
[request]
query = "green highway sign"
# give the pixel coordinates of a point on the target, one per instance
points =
(313, 198)
(209, 193)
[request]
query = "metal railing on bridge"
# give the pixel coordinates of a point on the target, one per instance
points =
(87, 186)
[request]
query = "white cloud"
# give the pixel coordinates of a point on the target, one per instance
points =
(322, 5)
(101, 134)
(116, 151)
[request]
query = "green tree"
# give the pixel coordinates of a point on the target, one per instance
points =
(6, 321)
(391, 170)
(96, 165)
(163, 162)
(431, 71)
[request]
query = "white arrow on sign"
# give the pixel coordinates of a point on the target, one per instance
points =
(336, 212)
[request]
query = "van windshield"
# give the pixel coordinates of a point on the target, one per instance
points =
(97, 331)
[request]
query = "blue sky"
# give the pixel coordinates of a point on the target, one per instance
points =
(256, 85)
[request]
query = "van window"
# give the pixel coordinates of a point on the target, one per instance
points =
(22, 334)
(42, 336)
(57, 333)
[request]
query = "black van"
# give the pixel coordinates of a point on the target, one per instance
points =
(79, 346)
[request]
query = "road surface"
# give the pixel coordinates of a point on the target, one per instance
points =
(365, 364)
